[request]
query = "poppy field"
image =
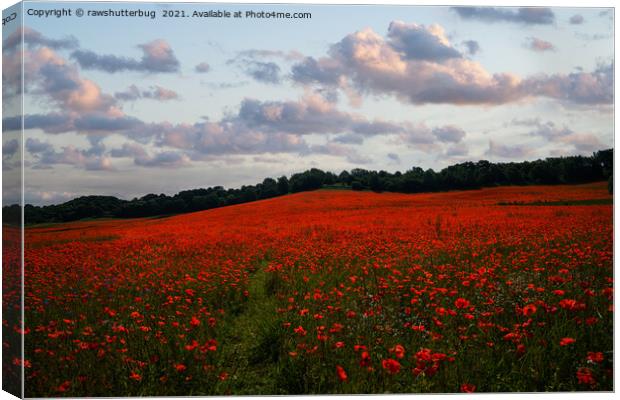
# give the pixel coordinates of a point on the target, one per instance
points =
(331, 291)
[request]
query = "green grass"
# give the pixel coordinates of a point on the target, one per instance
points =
(253, 340)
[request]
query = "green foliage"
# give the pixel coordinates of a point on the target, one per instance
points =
(357, 185)
(467, 175)
(283, 186)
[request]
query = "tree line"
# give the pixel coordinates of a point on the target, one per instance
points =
(463, 176)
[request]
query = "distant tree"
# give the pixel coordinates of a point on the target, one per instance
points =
(283, 187)
(542, 173)
(605, 158)
(205, 202)
(376, 184)
(429, 180)
(514, 174)
(357, 185)
(173, 206)
(467, 175)
(12, 214)
(359, 174)
(308, 180)
(411, 181)
(248, 193)
(345, 177)
(330, 178)
(269, 189)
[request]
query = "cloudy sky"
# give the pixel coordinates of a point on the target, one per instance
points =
(129, 106)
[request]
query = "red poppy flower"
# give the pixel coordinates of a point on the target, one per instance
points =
(391, 365)
(529, 310)
(468, 388)
(585, 376)
(568, 304)
(342, 374)
(365, 359)
(424, 355)
(461, 303)
(398, 351)
(64, 386)
(566, 341)
(595, 357)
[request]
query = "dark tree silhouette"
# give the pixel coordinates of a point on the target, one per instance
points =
(467, 175)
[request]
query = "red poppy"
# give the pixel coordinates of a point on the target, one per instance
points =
(365, 359)
(194, 322)
(529, 310)
(468, 388)
(585, 376)
(391, 365)
(566, 341)
(177, 284)
(461, 303)
(63, 387)
(398, 351)
(424, 355)
(595, 357)
(568, 304)
(342, 374)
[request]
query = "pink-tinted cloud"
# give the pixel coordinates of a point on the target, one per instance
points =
(202, 68)
(32, 38)
(581, 142)
(156, 92)
(418, 65)
(157, 57)
(45, 156)
(539, 45)
(507, 151)
(576, 19)
(50, 74)
(521, 15)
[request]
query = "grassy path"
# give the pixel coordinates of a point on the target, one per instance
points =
(252, 343)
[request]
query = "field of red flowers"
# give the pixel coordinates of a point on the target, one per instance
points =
(328, 292)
